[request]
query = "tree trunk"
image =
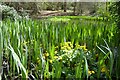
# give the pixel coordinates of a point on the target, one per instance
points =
(35, 8)
(65, 6)
(74, 7)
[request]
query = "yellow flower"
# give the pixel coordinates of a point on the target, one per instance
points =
(82, 60)
(103, 69)
(69, 48)
(82, 46)
(56, 47)
(55, 57)
(38, 61)
(77, 46)
(65, 47)
(66, 44)
(55, 52)
(46, 54)
(50, 61)
(66, 50)
(62, 48)
(91, 72)
(85, 49)
(60, 58)
(69, 42)
(37, 58)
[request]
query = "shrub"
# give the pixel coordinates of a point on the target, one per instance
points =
(9, 12)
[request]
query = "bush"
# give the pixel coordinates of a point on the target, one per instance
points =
(9, 12)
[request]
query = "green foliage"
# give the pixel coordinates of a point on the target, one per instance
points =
(114, 9)
(49, 49)
(59, 19)
(67, 18)
(102, 9)
(1, 55)
(9, 12)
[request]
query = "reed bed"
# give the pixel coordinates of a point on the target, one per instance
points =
(58, 49)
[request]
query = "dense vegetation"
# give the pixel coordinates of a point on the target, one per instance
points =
(62, 47)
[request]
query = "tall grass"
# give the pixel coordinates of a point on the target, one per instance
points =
(30, 47)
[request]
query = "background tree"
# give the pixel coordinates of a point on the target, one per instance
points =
(65, 6)
(114, 9)
(74, 10)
